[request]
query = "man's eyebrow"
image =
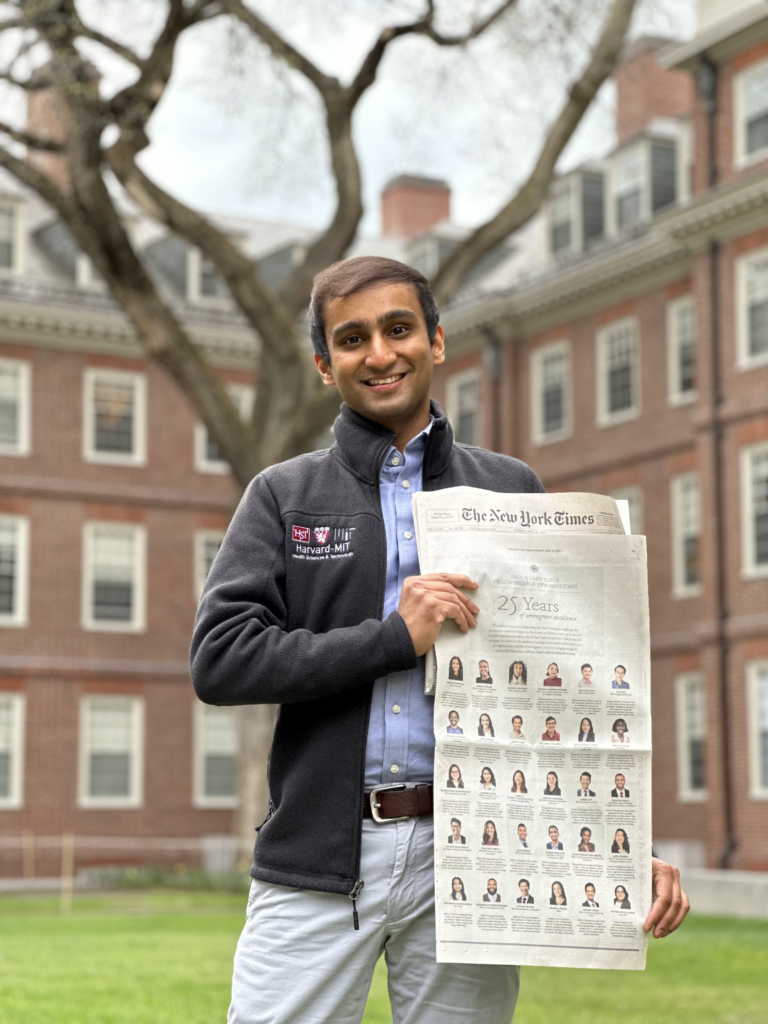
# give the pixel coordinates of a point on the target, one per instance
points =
(357, 325)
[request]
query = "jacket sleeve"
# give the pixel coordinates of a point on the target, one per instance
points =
(242, 652)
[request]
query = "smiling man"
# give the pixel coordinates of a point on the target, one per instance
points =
(315, 603)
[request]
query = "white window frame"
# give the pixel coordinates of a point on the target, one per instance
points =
(136, 796)
(569, 186)
(686, 794)
(15, 800)
(137, 457)
(642, 150)
(19, 618)
(195, 295)
(138, 623)
(537, 357)
(24, 446)
(740, 156)
(199, 798)
(201, 539)
(753, 670)
(243, 396)
(604, 417)
(744, 360)
(749, 568)
(681, 589)
(633, 495)
(675, 396)
(17, 207)
(453, 386)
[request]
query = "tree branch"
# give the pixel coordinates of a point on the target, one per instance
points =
(129, 55)
(477, 30)
(30, 140)
(528, 200)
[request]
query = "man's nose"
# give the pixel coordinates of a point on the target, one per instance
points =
(380, 353)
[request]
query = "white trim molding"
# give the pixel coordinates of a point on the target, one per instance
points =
(16, 207)
(749, 456)
(111, 745)
(202, 563)
(13, 740)
(678, 313)
(690, 727)
(129, 567)
(224, 744)
(741, 82)
(685, 523)
(561, 351)
(23, 370)
(757, 724)
(603, 337)
(18, 528)
(454, 385)
(744, 359)
(137, 382)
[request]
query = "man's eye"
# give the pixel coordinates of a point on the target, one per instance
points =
(399, 329)
(351, 340)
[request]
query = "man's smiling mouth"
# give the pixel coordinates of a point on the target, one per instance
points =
(377, 381)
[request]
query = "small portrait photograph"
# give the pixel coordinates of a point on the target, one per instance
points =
(454, 780)
(518, 782)
(621, 898)
(485, 672)
(490, 835)
(522, 835)
(516, 733)
(620, 791)
(491, 894)
(585, 679)
(586, 732)
(620, 842)
(590, 901)
(558, 899)
(453, 728)
(518, 674)
(525, 891)
(550, 731)
(456, 838)
(552, 787)
(619, 681)
(485, 727)
(552, 677)
(457, 890)
(554, 838)
(585, 844)
(619, 732)
(487, 779)
(584, 783)
(455, 668)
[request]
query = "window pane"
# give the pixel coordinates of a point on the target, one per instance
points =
(110, 747)
(219, 739)
(7, 709)
(554, 368)
(6, 238)
(756, 110)
(628, 209)
(114, 414)
(684, 339)
(696, 768)
(5, 776)
(110, 775)
(113, 555)
(242, 396)
(561, 236)
(10, 401)
(621, 364)
(757, 301)
(9, 541)
(760, 499)
(220, 775)
(757, 134)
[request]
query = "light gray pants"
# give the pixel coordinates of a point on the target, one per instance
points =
(300, 961)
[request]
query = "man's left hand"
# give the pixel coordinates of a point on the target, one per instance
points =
(670, 904)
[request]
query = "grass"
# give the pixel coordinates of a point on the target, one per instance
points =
(165, 957)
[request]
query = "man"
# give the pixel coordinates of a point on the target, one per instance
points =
(619, 682)
(337, 639)
(525, 891)
(551, 733)
(456, 836)
(586, 677)
(453, 724)
(585, 780)
(517, 728)
(589, 889)
(485, 673)
(492, 893)
(554, 838)
(621, 791)
(522, 836)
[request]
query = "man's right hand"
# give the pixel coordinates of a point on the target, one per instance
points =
(427, 601)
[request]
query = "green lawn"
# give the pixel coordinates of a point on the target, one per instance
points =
(164, 957)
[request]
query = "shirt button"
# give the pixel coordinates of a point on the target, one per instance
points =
(395, 460)
(408, 535)
(406, 485)
(395, 768)
(396, 708)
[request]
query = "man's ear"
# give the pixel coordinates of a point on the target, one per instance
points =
(325, 371)
(438, 347)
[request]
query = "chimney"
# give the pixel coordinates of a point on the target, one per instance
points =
(47, 118)
(644, 90)
(411, 205)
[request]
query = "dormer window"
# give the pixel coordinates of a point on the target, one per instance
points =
(561, 217)
(204, 282)
(643, 181)
(751, 121)
(11, 237)
(629, 188)
(575, 212)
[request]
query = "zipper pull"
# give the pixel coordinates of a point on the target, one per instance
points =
(356, 888)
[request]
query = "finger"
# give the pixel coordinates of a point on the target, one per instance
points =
(455, 578)
(664, 926)
(686, 906)
(452, 609)
(662, 883)
(442, 587)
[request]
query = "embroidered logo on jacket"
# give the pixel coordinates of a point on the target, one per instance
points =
(301, 534)
(321, 534)
(330, 542)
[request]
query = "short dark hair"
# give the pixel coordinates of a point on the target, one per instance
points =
(587, 774)
(353, 275)
(551, 719)
(526, 882)
(457, 821)
(586, 665)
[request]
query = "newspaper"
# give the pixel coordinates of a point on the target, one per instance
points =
(543, 731)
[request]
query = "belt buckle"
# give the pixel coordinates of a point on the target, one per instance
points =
(375, 806)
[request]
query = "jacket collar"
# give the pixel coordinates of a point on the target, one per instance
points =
(363, 444)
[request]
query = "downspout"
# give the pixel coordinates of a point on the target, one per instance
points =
(492, 364)
(707, 85)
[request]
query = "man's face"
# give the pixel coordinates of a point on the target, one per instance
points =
(492, 886)
(381, 358)
(551, 723)
(453, 718)
(554, 835)
(522, 832)
(524, 888)
(585, 780)
(484, 671)
(620, 782)
(620, 673)
(586, 671)
(456, 829)
(517, 723)
(590, 891)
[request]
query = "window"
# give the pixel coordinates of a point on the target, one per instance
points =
(15, 407)
(11, 750)
(111, 751)
(208, 456)
(618, 377)
(12, 237)
(754, 503)
(204, 282)
(561, 217)
(550, 375)
(751, 120)
(114, 417)
(686, 535)
(14, 570)
(113, 580)
(690, 713)
(207, 544)
(463, 406)
(628, 188)
(681, 352)
(752, 309)
(216, 757)
(757, 717)
(633, 496)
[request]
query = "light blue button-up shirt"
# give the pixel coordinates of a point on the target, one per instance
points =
(401, 738)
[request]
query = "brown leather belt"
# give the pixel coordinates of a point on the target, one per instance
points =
(396, 803)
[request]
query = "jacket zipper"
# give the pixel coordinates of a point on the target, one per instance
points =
(353, 895)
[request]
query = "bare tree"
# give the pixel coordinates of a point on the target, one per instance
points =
(292, 406)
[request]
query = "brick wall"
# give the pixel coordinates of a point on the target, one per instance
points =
(645, 91)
